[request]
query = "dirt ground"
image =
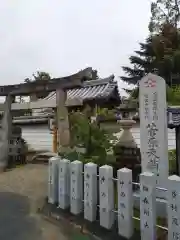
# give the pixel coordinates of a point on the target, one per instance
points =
(22, 191)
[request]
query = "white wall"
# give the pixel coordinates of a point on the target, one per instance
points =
(38, 137)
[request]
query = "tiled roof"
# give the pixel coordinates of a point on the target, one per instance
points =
(91, 90)
(94, 89)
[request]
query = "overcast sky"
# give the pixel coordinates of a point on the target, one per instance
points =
(63, 36)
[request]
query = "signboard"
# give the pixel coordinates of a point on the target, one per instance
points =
(153, 127)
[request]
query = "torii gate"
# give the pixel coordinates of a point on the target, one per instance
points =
(60, 85)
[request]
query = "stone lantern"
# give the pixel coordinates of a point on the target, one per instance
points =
(126, 150)
(128, 109)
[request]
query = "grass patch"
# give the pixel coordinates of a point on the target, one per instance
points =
(161, 233)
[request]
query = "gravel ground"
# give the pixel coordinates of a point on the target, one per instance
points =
(22, 191)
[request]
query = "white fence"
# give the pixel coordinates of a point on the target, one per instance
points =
(76, 186)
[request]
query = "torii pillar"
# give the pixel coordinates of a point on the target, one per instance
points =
(62, 120)
(6, 131)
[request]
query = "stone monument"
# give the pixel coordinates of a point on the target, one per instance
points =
(153, 129)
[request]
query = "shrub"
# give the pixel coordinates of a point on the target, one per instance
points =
(172, 161)
(85, 134)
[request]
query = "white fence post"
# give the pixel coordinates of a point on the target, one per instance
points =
(125, 202)
(106, 197)
(90, 191)
(76, 187)
(64, 183)
(173, 198)
(53, 180)
(148, 205)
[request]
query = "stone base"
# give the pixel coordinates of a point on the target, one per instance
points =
(2, 169)
(161, 205)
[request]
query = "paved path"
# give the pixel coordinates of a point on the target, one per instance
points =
(21, 191)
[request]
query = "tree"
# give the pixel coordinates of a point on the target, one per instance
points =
(165, 18)
(39, 76)
(164, 12)
(172, 95)
(167, 51)
(160, 54)
(141, 61)
(94, 74)
(133, 93)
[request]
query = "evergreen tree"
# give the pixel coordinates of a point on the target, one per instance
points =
(164, 12)
(160, 54)
(142, 62)
(161, 51)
